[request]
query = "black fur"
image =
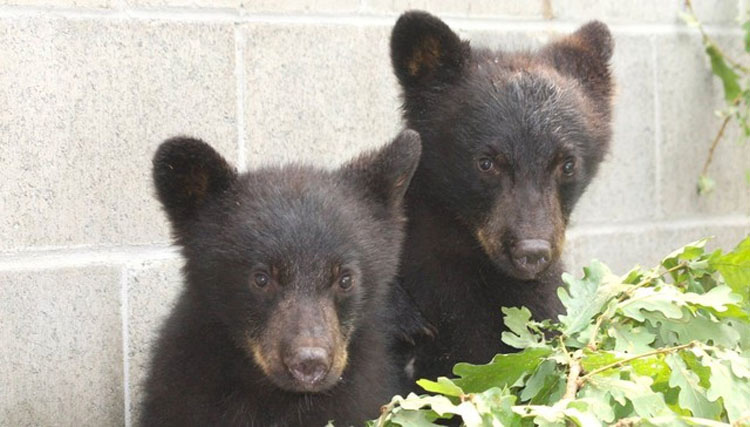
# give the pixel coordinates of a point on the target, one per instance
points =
(222, 356)
(540, 122)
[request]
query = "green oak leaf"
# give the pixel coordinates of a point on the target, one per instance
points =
(725, 385)
(442, 406)
(503, 371)
(443, 386)
(692, 395)
(631, 339)
(688, 252)
(637, 390)
(740, 363)
(557, 414)
(595, 360)
(696, 366)
(544, 373)
(652, 366)
(600, 402)
(694, 328)
(586, 297)
(678, 421)
(414, 419)
(719, 298)
(519, 336)
(735, 268)
(665, 299)
(494, 405)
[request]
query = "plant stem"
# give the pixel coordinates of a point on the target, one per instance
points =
(592, 341)
(715, 142)
(571, 387)
(630, 359)
(645, 282)
(384, 412)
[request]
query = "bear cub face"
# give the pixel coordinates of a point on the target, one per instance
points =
(511, 139)
(291, 261)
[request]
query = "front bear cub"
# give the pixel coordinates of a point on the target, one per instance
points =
(286, 316)
(510, 142)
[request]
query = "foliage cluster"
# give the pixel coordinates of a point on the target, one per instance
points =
(663, 346)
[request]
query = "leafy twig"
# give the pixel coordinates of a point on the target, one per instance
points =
(622, 362)
(707, 40)
(592, 341)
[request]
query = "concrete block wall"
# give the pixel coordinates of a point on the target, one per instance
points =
(88, 89)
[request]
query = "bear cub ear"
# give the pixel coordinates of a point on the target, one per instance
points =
(385, 174)
(186, 173)
(596, 39)
(585, 55)
(425, 51)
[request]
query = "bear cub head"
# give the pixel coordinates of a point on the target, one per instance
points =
(510, 139)
(293, 262)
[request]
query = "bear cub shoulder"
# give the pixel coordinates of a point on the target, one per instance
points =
(285, 318)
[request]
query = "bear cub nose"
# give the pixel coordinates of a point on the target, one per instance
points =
(532, 255)
(308, 364)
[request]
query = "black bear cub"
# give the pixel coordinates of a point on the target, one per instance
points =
(285, 318)
(510, 141)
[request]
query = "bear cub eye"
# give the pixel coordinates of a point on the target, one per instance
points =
(261, 280)
(345, 281)
(485, 164)
(569, 167)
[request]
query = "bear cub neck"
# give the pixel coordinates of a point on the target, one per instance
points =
(286, 317)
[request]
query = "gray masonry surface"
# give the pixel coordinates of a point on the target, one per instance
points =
(88, 89)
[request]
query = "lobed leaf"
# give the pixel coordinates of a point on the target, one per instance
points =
(519, 336)
(725, 385)
(505, 370)
(443, 386)
(735, 268)
(586, 297)
(692, 395)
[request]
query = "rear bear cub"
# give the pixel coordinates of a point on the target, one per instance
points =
(286, 316)
(510, 142)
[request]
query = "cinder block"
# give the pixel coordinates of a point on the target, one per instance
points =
(61, 352)
(153, 288)
(724, 12)
(318, 93)
(98, 4)
(305, 6)
(688, 95)
(644, 11)
(624, 248)
(257, 6)
(90, 101)
(206, 4)
(623, 190)
(474, 8)
(502, 38)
